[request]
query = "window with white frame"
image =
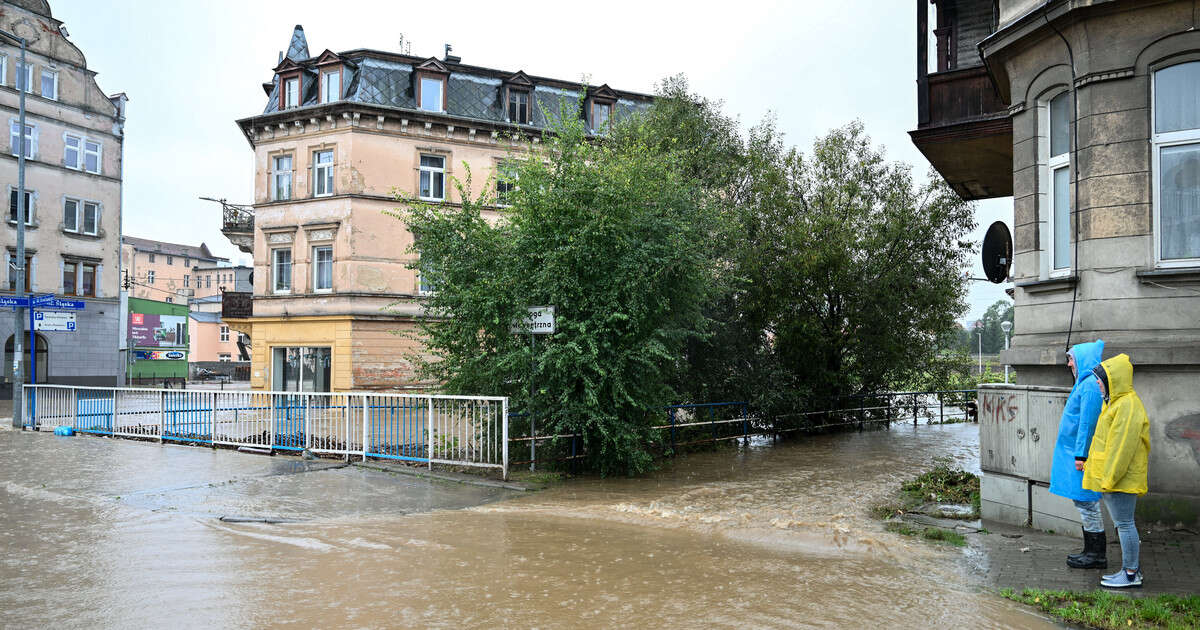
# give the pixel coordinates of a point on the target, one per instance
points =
(1058, 179)
(1176, 146)
(433, 177)
(601, 114)
(49, 84)
(323, 173)
(3, 69)
(91, 155)
(281, 270)
(331, 86)
(81, 217)
(283, 178)
(187, 280)
(224, 357)
(31, 137)
(150, 277)
(24, 77)
(72, 151)
(291, 93)
(224, 333)
(323, 268)
(431, 94)
(12, 205)
(506, 183)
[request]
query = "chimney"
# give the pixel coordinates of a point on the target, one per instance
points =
(451, 58)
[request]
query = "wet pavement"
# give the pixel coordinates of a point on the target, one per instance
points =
(114, 533)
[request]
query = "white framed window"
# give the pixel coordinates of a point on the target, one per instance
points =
(281, 270)
(518, 106)
(91, 218)
(431, 94)
(50, 84)
(1176, 165)
(433, 177)
(323, 268)
(187, 280)
(71, 215)
(506, 184)
(282, 176)
(24, 77)
(1058, 179)
(208, 281)
(331, 86)
(301, 369)
(72, 151)
(30, 197)
(225, 357)
(170, 300)
(150, 276)
(291, 93)
(424, 285)
(3, 69)
(151, 257)
(31, 138)
(224, 333)
(323, 173)
(91, 155)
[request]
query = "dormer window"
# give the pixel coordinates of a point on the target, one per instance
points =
(431, 93)
(331, 86)
(518, 106)
(600, 110)
(291, 93)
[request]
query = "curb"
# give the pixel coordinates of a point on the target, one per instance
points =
(443, 476)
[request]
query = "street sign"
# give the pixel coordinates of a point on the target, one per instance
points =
(62, 305)
(9, 301)
(539, 321)
(54, 321)
(41, 300)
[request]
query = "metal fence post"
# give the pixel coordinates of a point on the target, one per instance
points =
(505, 437)
(75, 411)
(941, 409)
(746, 425)
(162, 415)
(307, 417)
(672, 413)
(914, 410)
(532, 443)
(364, 427)
(429, 425)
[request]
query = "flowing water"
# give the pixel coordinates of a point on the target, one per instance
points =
(109, 533)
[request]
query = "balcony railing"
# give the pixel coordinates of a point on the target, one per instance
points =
(960, 96)
(237, 219)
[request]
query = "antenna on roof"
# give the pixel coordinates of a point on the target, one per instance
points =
(405, 45)
(451, 58)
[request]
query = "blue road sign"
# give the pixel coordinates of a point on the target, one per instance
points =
(41, 300)
(60, 304)
(9, 301)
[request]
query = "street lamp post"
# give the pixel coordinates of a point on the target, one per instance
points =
(22, 84)
(979, 331)
(1006, 326)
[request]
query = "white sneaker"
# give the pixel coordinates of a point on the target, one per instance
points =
(1112, 576)
(1122, 580)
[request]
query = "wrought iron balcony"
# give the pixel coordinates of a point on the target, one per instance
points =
(237, 224)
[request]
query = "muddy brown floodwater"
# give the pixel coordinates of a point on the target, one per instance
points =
(108, 533)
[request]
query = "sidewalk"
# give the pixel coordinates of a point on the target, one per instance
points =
(1018, 557)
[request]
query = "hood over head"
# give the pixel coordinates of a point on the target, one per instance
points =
(1087, 357)
(1117, 374)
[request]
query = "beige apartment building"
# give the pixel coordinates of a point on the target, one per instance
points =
(170, 272)
(340, 133)
(73, 148)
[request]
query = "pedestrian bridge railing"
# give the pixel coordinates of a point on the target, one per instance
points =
(423, 428)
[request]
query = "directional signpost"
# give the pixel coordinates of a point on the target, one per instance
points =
(538, 321)
(46, 320)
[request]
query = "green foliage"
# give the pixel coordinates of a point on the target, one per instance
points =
(935, 534)
(968, 341)
(617, 236)
(1111, 611)
(944, 483)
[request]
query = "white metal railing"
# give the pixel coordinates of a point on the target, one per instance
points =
(429, 428)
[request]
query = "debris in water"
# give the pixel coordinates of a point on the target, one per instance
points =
(270, 520)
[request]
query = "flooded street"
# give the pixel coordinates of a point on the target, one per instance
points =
(112, 533)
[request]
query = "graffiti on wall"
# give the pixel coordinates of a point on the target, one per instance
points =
(998, 407)
(1187, 430)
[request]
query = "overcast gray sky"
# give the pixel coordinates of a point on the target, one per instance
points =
(192, 68)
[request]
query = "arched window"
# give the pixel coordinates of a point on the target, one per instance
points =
(1177, 164)
(1058, 180)
(43, 364)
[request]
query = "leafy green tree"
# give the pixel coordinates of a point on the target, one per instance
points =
(852, 269)
(617, 236)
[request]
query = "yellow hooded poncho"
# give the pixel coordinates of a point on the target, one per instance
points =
(1120, 452)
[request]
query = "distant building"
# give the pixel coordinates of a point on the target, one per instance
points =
(73, 148)
(158, 270)
(339, 133)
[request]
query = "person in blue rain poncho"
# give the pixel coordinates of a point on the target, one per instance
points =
(1075, 432)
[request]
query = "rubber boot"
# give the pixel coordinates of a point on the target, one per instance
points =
(1095, 552)
(1074, 557)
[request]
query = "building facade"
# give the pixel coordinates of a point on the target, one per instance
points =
(169, 272)
(1088, 114)
(73, 170)
(341, 132)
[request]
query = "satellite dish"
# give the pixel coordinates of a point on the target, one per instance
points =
(997, 252)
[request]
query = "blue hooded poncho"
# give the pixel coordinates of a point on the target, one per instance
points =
(1078, 424)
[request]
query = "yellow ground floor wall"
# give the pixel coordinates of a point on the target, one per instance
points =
(367, 353)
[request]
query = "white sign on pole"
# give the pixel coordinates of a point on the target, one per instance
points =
(539, 321)
(54, 321)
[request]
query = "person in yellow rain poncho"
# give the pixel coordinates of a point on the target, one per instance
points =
(1118, 460)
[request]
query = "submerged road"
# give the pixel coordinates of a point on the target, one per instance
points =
(98, 532)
